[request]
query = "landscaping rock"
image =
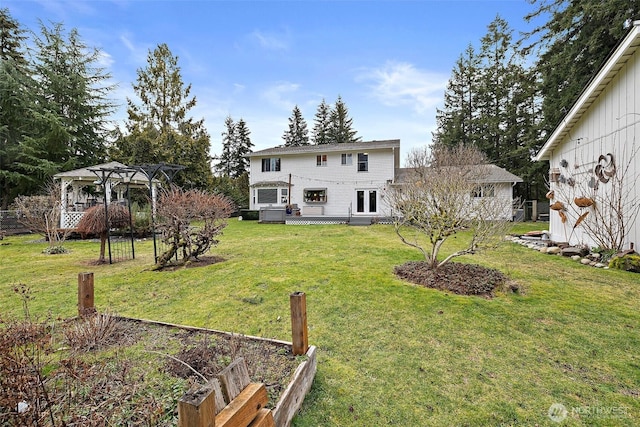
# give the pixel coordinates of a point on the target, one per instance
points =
(576, 257)
(554, 250)
(585, 261)
(574, 250)
(599, 265)
(543, 250)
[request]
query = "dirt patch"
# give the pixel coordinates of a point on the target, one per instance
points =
(106, 370)
(462, 279)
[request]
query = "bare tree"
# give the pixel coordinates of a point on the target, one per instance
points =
(41, 214)
(435, 200)
(596, 199)
(178, 209)
(95, 221)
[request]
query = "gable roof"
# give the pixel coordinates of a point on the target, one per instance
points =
(327, 148)
(86, 174)
(616, 61)
(492, 174)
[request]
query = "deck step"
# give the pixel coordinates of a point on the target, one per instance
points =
(360, 220)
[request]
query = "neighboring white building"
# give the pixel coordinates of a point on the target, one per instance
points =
(334, 180)
(494, 188)
(594, 151)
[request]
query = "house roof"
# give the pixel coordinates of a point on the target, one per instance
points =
(492, 174)
(325, 148)
(616, 61)
(86, 174)
(271, 184)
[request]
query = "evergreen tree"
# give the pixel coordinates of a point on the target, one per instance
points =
(73, 94)
(225, 165)
(242, 147)
(490, 102)
(297, 134)
(457, 121)
(236, 144)
(322, 124)
(575, 42)
(161, 123)
(20, 166)
(341, 129)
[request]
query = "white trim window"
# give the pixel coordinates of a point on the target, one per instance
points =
(485, 190)
(271, 164)
(321, 160)
(346, 159)
(363, 162)
(267, 195)
(315, 195)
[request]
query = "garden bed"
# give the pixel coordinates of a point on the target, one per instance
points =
(120, 371)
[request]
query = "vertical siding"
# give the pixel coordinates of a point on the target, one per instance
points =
(610, 125)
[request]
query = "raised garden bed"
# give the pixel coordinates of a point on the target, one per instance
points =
(109, 370)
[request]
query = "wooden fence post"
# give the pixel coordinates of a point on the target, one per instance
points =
(197, 408)
(298, 302)
(85, 294)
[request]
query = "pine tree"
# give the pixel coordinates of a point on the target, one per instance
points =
(73, 94)
(297, 134)
(575, 42)
(236, 144)
(322, 124)
(457, 121)
(490, 102)
(225, 165)
(242, 147)
(161, 120)
(341, 129)
(20, 165)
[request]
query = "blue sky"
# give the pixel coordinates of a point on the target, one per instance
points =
(389, 60)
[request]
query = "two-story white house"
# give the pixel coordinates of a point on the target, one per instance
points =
(332, 180)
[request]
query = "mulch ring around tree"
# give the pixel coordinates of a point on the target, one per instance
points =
(461, 279)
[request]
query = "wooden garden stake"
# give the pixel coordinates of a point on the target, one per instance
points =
(85, 294)
(298, 302)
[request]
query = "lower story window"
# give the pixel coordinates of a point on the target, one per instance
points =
(267, 195)
(317, 195)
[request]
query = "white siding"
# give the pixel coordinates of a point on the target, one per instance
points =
(610, 125)
(341, 181)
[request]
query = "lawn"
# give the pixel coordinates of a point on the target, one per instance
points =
(389, 353)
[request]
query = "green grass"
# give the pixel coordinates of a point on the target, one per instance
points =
(389, 353)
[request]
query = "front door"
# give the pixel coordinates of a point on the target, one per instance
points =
(366, 201)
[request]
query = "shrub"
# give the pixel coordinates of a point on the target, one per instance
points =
(629, 262)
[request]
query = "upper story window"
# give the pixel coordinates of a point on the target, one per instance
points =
(271, 164)
(321, 160)
(346, 159)
(363, 162)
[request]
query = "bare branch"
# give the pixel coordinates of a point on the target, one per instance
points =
(439, 196)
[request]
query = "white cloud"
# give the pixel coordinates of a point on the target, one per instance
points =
(277, 95)
(271, 41)
(137, 53)
(400, 83)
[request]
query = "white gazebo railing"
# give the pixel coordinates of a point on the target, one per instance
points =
(70, 219)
